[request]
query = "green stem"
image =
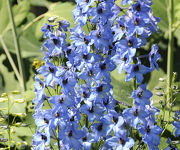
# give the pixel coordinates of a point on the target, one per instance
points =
(17, 45)
(170, 47)
(134, 83)
(59, 147)
(11, 60)
(9, 128)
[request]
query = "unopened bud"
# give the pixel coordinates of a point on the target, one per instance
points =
(19, 101)
(16, 92)
(3, 99)
(20, 114)
(18, 124)
(3, 139)
(3, 94)
(18, 144)
(24, 125)
(52, 19)
(158, 88)
(161, 79)
(12, 130)
(4, 127)
(159, 93)
(2, 119)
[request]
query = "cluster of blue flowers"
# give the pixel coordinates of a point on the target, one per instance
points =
(74, 104)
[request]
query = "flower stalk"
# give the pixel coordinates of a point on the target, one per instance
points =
(170, 47)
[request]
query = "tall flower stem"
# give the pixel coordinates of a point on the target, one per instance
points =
(170, 47)
(17, 45)
(9, 127)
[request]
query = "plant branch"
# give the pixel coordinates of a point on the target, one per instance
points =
(17, 45)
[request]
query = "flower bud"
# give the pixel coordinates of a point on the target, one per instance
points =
(3, 94)
(20, 101)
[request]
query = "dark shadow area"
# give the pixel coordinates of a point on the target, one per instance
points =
(38, 10)
(73, 1)
(27, 65)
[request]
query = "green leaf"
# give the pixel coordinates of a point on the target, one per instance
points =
(159, 9)
(29, 47)
(62, 10)
(20, 12)
(121, 90)
(3, 15)
(44, 3)
(177, 10)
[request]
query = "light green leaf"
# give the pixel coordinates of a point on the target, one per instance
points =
(28, 48)
(159, 8)
(20, 12)
(3, 15)
(121, 90)
(40, 3)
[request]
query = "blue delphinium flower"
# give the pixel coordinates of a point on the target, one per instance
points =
(136, 115)
(176, 123)
(49, 72)
(122, 60)
(63, 24)
(119, 29)
(141, 96)
(41, 140)
(55, 44)
(124, 2)
(102, 12)
(102, 129)
(93, 111)
(80, 40)
(120, 142)
(47, 29)
(104, 68)
(154, 56)
(137, 70)
(80, 77)
(88, 74)
(150, 134)
(101, 37)
(70, 137)
(87, 139)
